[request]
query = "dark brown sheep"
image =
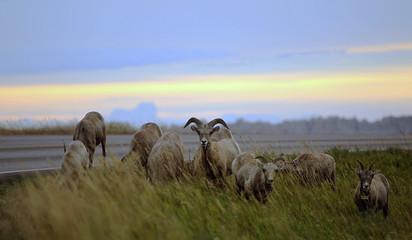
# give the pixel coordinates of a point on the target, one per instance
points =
(372, 192)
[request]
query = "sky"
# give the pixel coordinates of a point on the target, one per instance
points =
(259, 60)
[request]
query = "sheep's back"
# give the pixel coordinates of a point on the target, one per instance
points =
(165, 161)
(229, 149)
(241, 159)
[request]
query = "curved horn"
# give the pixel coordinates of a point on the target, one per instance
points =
(362, 167)
(193, 120)
(370, 166)
(262, 158)
(216, 121)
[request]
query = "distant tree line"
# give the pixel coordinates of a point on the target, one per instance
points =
(330, 125)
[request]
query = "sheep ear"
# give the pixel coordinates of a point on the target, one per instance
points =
(281, 166)
(356, 171)
(215, 129)
(259, 164)
(375, 172)
(194, 129)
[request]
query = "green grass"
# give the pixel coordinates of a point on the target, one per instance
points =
(116, 204)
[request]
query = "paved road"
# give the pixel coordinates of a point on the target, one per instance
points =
(26, 153)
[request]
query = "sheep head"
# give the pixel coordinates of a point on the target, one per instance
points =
(205, 130)
(269, 169)
(365, 176)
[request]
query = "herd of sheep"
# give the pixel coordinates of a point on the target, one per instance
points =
(161, 155)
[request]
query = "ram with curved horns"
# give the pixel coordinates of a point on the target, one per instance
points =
(214, 158)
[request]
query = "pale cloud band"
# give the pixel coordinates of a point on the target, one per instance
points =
(380, 48)
(220, 93)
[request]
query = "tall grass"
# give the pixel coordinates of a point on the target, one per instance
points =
(114, 203)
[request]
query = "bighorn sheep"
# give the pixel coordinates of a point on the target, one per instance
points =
(91, 131)
(255, 178)
(220, 134)
(372, 192)
(215, 158)
(165, 161)
(142, 143)
(312, 168)
(75, 160)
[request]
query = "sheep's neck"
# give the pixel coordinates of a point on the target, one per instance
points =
(207, 163)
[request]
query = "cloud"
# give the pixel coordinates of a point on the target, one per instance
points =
(379, 48)
(142, 113)
(23, 61)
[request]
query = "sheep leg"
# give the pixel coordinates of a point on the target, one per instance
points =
(91, 159)
(332, 180)
(104, 146)
(386, 210)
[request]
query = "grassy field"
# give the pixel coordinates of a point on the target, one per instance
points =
(115, 203)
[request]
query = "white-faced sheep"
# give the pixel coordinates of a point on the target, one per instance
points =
(165, 161)
(254, 177)
(213, 158)
(142, 143)
(372, 192)
(75, 161)
(313, 168)
(91, 131)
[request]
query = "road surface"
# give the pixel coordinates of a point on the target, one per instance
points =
(34, 152)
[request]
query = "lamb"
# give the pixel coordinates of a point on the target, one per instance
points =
(142, 143)
(312, 168)
(213, 158)
(372, 192)
(255, 178)
(91, 131)
(165, 161)
(75, 161)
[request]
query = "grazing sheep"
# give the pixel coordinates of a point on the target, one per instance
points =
(165, 161)
(255, 178)
(312, 168)
(372, 192)
(75, 161)
(91, 131)
(213, 158)
(142, 143)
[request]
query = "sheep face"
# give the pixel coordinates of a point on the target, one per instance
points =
(269, 170)
(204, 133)
(205, 130)
(365, 176)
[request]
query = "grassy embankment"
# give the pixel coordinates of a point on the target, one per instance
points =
(116, 204)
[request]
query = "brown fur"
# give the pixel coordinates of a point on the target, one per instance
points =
(142, 143)
(255, 178)
(165, 161)
(222, 133)
(75, 161)
(214, 159)
(91, 131)
(314, 168)
(377, 196)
